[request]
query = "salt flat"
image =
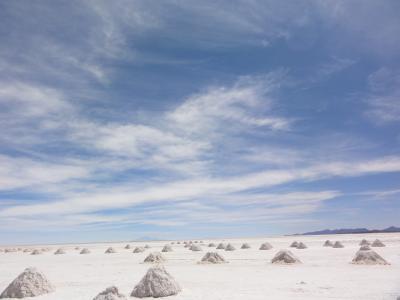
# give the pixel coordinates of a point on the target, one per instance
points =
(326, 273)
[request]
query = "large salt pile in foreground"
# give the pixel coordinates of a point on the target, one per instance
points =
(213, 258)
(245, 246)
(285, 257)
(110, 293)
(368, 258)
(328, 243)
(85, 251)
(230, 247)
(156, 283)
(59, 251)
(30, 283)
(167, 248)
(377, 243)
(154, 257)
(338, 245)
(265, 246)
(110, 250)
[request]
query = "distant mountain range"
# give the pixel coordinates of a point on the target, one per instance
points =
(351, 231)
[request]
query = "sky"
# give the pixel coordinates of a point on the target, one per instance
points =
(123, 120)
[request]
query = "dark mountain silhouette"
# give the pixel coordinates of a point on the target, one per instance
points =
(351, 231)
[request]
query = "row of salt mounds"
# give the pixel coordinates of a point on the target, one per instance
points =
(196, 248)
(167, 248)
(221, 246)
(213, 258)
(265, 246)
(110, 293)
(364, 242)
(59, 251)
(85, 251)
(110, 250)
(30, 283)
(285, 257)
(139, 250)
(211, 245)
(301, 245)
(154, 257)
(377, 243)
(337, 244)
(245, 246)
(230, 247)
(156, 283)
(368, 257)
(328, 243)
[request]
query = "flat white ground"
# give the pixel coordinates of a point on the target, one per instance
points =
(325, 273)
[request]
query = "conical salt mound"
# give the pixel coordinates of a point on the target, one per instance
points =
(147, 246)
(265, 246)
(211, 245)
(285, 257)
(377, 243)
(187, 245)
(110, 293)
(221, 246)
(26, 250)
(128, 246)
(338, 244)
(85, 251)
(328, 243)
(155, 257)
(230, 247)
(110, 250)
(364, 242)
(139, 250)
(213, 258)
(30, 283)
(167, 248)
(295, 244)
(36, 252)
(178, 243)
(156, 283)
(301, 245)
(368, 258)
(59, 251)
(365, 248)
(245, 246)
(196, 248)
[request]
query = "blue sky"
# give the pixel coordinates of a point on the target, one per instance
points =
(185, 119)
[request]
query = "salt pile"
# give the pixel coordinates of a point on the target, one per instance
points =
(211, 245)
(213, 258)
(110, 250)
(364, 242)
(155, 257)
(59, 251)
(377, 243)
(85, 251)
(365, 248)
(110, 293)
(187, 245)
(36, 252)
(27, 250)
(245, 246)
(147, 246)
(221, 246)
(368, 258)
(196, 248)
(301, 245)
(139, 250)
(295, 244)
(338, 245)
(265, 246)
(156, 283)
(285, 257)
(167, 248)
(230, 247)
(30, 283)
(328, 243)
(128, 246)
